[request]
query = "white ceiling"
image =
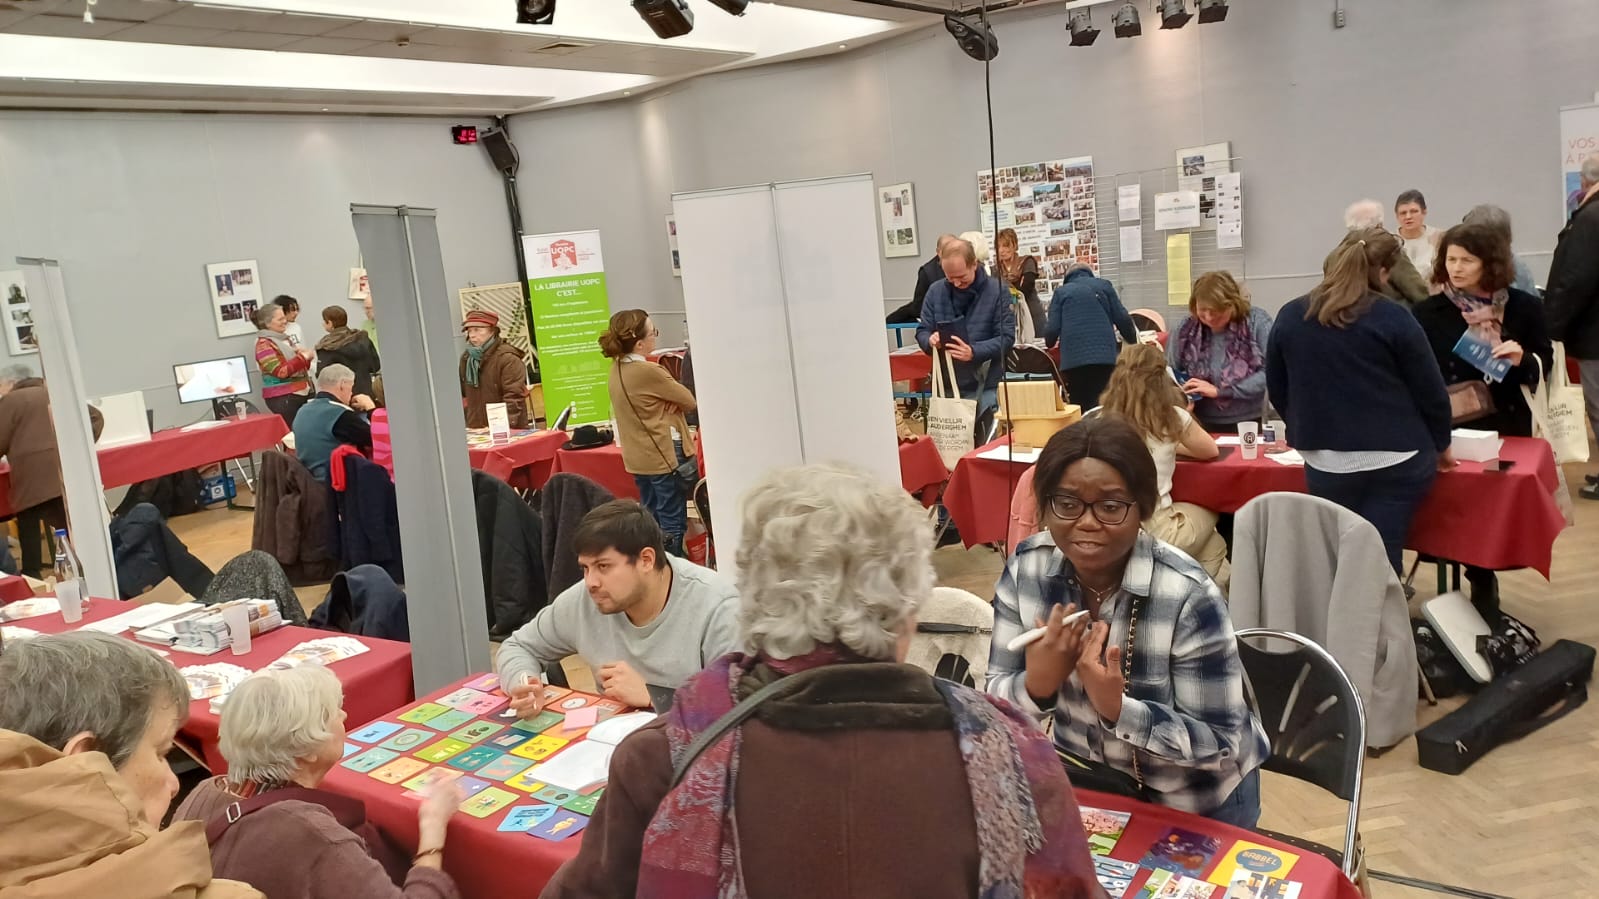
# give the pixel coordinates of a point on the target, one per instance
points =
(399, 56)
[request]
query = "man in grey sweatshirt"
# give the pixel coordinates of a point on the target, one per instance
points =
(642, 620)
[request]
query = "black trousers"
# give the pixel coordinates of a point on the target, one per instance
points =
(287, 406)
(1085, 383)
(34, 525)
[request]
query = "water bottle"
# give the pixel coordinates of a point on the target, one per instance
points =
(69, 591)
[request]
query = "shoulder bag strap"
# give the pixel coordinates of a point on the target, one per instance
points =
(350, 812)
(736, 716)
(1538, 402)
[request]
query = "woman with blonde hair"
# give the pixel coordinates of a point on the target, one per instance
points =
(832, 567)
(1021, 275)
(270, 826)
(649, 406)
(1219, 353)
(1142, 393)
(1353, 375)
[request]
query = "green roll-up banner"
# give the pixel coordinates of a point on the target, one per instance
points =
(566, 279)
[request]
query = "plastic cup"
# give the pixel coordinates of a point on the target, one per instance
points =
(1249, 438)
(1279, 433)
(70, 595)
(240, 409)
(237, 618)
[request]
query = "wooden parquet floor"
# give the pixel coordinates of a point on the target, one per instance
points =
(1522, 822)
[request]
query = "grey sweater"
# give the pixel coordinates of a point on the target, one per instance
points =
(696, 626)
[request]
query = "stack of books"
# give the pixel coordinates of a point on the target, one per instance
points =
(203, 631)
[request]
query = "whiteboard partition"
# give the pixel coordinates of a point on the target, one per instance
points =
(784, 297)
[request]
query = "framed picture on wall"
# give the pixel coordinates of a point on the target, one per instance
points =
(898, 205)
(671, 246)
(236, 292)
(20, 339)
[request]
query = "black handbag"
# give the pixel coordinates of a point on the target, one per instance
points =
(1548, 687)
(1511, 645)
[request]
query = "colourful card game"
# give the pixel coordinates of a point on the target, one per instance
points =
(555, 795)
(1254, 859)
(581, 718)
(560, 826)
(572, 702)
(477, 732)
(369, 760)
(408, 739)
(485, 704)
(583, 805)
(399, 770)
(484, 683)
(431, 778)
(474, 758)
(376, 731)
(540, 747)
(504, 768)
(471, 786)
(450, 720)
(1252, 885)
(1103, 827)
(526, 783)
(524, 818)
(1116, 877)
(424, 713)
(459, 698)
(541, 722)
(350, 748)
(443, 749)
(1182, 852)
(551, 694)
(487, 802)
(509, 740)
(1171, 885)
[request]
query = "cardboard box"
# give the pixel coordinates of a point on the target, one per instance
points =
(1475, 446)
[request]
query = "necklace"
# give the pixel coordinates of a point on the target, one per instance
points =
(1099, 595)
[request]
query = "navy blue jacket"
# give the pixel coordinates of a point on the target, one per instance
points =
(1084, 315)
(366, 602)
(1371, 386)
(369, 518)
(990, 322)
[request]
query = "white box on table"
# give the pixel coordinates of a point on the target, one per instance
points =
(1475, 446)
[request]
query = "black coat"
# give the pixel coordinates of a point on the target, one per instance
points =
(1571, 299)
(566, 499)
(1524, 323)
(931, 272)
(147, 553)
(510, 539)
(369, 518)
(366, 602)
(358, 354)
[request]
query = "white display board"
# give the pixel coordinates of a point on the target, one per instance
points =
(783, 291)
(1052, 207)
(1579, 139)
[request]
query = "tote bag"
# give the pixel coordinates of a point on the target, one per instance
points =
(1544, 416)
(950, 419)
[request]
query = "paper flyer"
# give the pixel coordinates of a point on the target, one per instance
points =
(1129, 200)
(499, 424)
(1480, 354)
(1177, 209)
(1252, 858)
(1229, 211)
(1179, 279)
(1132, 243)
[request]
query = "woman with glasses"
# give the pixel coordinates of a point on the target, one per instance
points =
(649, 406)
(1146, 690)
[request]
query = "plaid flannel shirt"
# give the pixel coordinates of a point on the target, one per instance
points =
(1185, 715)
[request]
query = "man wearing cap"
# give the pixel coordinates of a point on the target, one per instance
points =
(492, 371)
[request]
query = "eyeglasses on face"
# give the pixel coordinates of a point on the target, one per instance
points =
(1106, 511)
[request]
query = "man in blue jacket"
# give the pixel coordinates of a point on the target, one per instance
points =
(977, 306)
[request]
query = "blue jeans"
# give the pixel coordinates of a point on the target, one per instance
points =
(1242, 808)
(1387, 497)
(663, 496)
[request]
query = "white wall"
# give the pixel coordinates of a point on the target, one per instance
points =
(1457, 99)
(135, 205)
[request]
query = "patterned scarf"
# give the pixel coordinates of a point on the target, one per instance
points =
(474, 360)
(691, 848)
(1241, 360)
(1485, 317)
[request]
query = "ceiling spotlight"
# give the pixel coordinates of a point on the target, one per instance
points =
(1081, 24)
(732, 7)
(1212, 11)
(976, 39)
(667, 18)
(1126, 21)
(535, 12)
(88, 12)
(1174, 13)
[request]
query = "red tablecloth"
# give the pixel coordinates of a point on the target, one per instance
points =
(1497, 520)
(173, 450)
(1318, 877)
(486, 863)
(921, 469)
(524, 462)
(14, 587)
(374, 682)
(910, 365)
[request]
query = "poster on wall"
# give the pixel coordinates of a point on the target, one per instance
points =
(897, 203)
(235, 295)
(1197, 169)
(1178, 209)
(1579, 139)
(20, 339)
(671, 245)
(1051, 207)
(1229, 211)
(360, 287)
(571, 308)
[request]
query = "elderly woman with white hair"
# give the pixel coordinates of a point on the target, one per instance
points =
(817, 764)
(86, 722)
(1404, 283)
(282, 731)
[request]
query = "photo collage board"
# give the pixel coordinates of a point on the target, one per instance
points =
(20, 338)
(1051, 206)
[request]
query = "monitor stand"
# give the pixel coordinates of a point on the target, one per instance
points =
(223, 408)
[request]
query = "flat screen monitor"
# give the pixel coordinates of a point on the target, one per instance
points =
(201, 382)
